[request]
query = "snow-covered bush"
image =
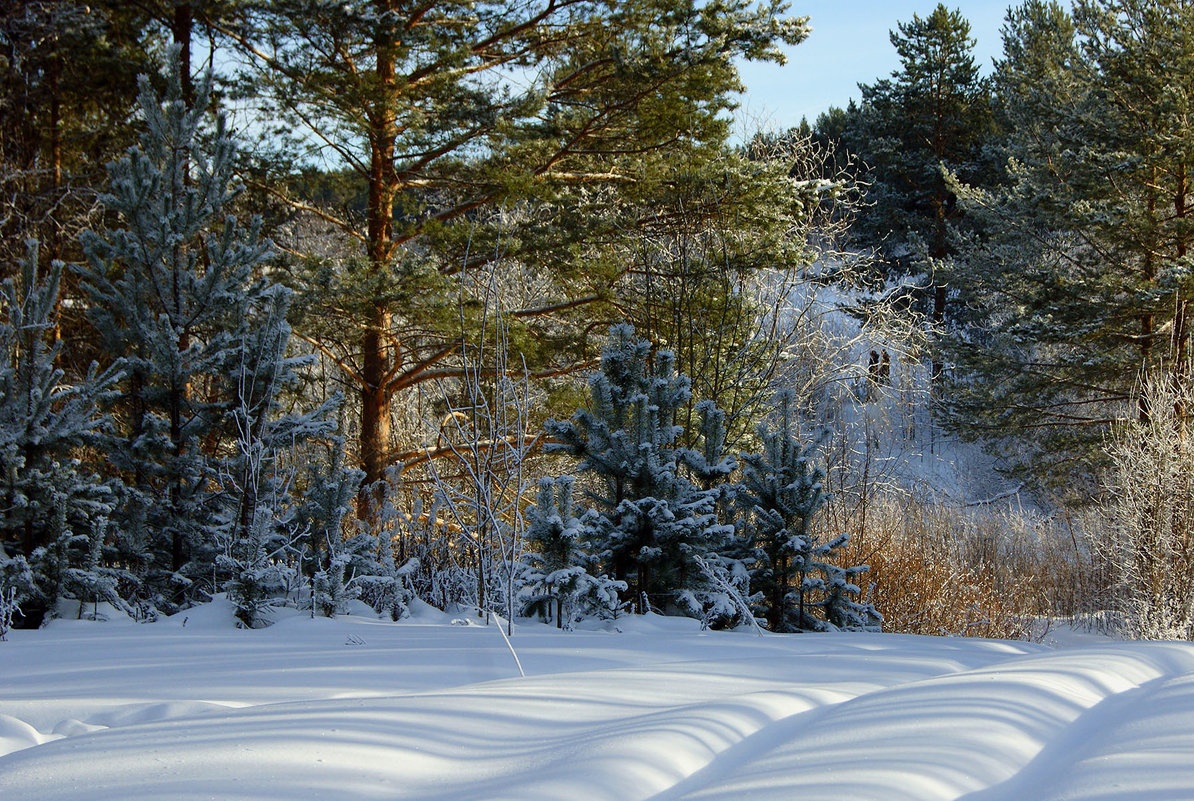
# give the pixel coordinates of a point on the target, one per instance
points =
(8, 607)
(1147, 543)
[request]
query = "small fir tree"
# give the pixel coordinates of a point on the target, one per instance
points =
(839, 607)
(328, 498)
(258, 526)
(45, 421)
(88, 581)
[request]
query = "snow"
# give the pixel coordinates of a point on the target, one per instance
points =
(644, 708)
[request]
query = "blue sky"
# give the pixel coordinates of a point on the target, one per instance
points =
(849, 45)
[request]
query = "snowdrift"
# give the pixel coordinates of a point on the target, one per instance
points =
(356, 708)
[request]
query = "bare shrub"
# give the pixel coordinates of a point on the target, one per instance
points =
(944, 570)
(1147, 543)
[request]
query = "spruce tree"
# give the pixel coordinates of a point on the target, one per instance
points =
(647, 520)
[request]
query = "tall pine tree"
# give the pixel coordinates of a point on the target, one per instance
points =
(1085, 278)
(931, 116)
(417, 102)
(173, 296)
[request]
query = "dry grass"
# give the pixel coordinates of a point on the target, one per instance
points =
(943, 570)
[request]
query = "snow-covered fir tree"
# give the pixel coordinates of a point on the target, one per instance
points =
(780, 494)
(557, 565)
(328, 559)
(167, 296)
(647, 521)
(709, 465)
(87, 578)
(45, 490)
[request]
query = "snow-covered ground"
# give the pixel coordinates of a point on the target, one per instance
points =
(356, 708)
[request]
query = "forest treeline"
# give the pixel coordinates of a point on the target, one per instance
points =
(480, 304)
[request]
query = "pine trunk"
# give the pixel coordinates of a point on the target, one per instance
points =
(383, 187)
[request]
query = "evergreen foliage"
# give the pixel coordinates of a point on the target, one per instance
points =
(87, 577)
(327, 500)
(45, 425)
(179, 304)
(781, 491)
(1084, 279)
(67, 92)
(451, 155)
(931, 113)
(259, 523)
(707, 252)
(931, 117)
(557, 564)
(647, 520)
(164, 296)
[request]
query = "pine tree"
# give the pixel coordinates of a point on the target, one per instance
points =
(931, 116)
(90, 579)
(557, 565)
(709, 465)
(386, 588)
(1084, 279)
(45, 422)
(839, 607)
(258, 522)
(329, 489)
(415, 99)
(167, 298)
(647, 521)
(780, 494)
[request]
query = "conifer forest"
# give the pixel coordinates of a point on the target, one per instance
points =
(500, 307)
